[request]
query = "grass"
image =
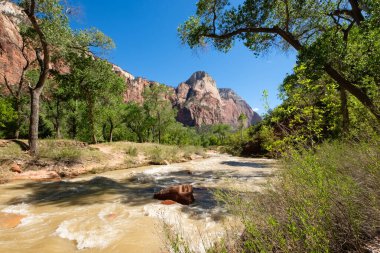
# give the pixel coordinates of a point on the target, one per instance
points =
(68, 151)
(11, 151)
(158, 153)
(56, 150)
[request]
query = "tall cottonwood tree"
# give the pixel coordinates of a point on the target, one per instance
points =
(159, 108)
(93, 82)
(50, 37)
(325, 33)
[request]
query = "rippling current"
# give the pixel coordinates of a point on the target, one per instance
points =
(115, 211)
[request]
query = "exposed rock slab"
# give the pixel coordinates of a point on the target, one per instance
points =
(182, 194)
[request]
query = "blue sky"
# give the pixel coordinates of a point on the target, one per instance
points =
(147, 45)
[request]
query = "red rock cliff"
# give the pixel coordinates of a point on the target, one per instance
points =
(198, 100)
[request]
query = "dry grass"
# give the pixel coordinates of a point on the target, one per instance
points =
(157, 154)
(68, 151)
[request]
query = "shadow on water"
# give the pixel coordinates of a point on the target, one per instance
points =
(253, 165)
(137, 190)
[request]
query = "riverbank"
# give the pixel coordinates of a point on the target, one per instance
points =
(60, 159)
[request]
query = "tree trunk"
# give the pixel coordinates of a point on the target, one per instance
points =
(111, 130)
(18, 121)
(159, 128)
(104, 128)
(344, 111)
(74, 128)
(91, 118)
(58, 120)
(34, 120)
(353, 90)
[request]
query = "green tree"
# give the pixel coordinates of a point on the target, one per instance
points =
(327, 35)
(159, 108)
(113, 111)
(48, 33)
(93, 82)
(137, 121)
(7, 114)
(242, 124)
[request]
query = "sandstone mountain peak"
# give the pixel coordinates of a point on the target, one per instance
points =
(200, 76)
(200, 102)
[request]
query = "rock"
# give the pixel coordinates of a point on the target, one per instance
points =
(233, 105)
(16, 168)
(38, 175)
(13, 54)
(168, 202)
(182, 194)
(166, 162)
(199, 102)
(10, 220)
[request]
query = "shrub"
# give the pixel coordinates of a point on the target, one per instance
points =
(327, 201)
(67, 151)
(132, 151)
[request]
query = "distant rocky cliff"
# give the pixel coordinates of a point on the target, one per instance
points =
(198, 100)
(234, 105)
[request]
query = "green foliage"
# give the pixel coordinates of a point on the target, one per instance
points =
(323, 201)
(339, 38)
(93, 83)
(7, 114)
(159, 109)
(311, 113)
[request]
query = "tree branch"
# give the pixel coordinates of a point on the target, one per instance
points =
(333, 73)
(240, 31)
(356, 12)
(8, 85)
(44, 64)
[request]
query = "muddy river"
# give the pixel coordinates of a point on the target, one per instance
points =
(115, 211)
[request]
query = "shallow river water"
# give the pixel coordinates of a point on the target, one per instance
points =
(115, 211)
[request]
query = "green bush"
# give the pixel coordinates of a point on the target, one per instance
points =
(327, 201)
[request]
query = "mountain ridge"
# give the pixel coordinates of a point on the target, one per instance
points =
(198, 100)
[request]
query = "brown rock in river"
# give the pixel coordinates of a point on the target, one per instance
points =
(182, 194)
